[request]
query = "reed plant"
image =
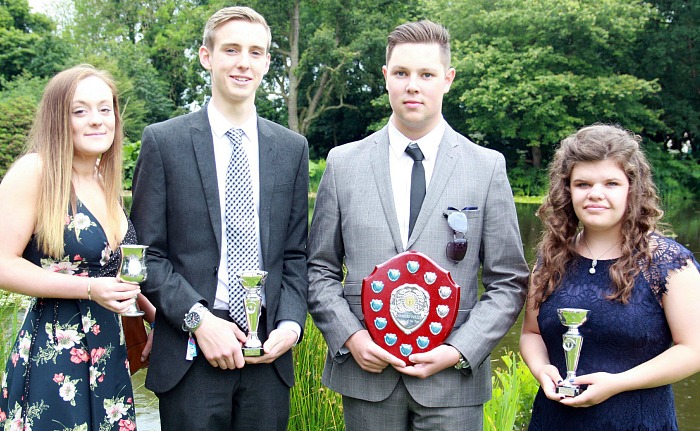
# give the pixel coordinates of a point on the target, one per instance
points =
(314, 407)
(12, 307)
(514, 389)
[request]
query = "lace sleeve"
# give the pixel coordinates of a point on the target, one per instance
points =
(668, 256)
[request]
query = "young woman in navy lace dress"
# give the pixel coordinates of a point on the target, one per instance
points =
(61, 225)
(602, 250)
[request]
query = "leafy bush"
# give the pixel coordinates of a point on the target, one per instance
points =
(316, 169)
(130, 153)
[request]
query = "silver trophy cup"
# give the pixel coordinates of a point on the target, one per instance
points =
(133, 268)
(252, 281)
(572, 342)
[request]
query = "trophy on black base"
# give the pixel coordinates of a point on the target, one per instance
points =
(252, 281)
(572, 342)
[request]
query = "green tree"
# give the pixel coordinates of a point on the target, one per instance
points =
(27, 42)
(326, 63)
(669, 50)
(18, 101)
(532, 71)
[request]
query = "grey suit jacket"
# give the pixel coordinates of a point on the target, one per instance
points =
(355, 223)
(176, 212)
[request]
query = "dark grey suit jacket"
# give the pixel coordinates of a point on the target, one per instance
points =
(176, 212)
(355, 225)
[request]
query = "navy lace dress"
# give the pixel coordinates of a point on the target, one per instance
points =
(617, 337)
(68, 369)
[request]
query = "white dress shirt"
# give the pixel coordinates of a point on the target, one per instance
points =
(222, 154)
(401, 165)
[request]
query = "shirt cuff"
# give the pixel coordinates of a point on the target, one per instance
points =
(292, 326)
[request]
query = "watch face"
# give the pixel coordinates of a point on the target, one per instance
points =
(192, 320)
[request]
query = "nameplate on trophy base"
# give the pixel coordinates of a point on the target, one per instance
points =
(410, 304)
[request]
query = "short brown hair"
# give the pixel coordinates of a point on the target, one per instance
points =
(233, 13)
(420, 32)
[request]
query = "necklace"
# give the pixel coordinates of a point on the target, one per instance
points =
(595, 260)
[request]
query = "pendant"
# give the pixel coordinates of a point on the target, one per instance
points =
(593, 265)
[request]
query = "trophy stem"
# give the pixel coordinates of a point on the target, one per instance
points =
(252, 281)
(572, 341)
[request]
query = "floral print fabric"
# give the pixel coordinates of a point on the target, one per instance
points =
(68, 369)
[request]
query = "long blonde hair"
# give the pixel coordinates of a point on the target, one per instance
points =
(51, 138)
(558, 246)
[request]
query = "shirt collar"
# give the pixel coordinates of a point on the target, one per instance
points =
(428, 144)
(220, 124)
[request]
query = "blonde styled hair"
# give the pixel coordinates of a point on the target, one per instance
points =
(233, 13)
(558, 244)
(51, 138)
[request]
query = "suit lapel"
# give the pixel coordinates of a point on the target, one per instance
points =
(379, 158)
(203, 144)
(267, 162)
(444, 165)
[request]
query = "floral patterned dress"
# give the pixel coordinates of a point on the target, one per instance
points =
(68, 368)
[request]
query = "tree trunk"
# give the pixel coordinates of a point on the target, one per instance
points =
(536, 157)
(293, 98)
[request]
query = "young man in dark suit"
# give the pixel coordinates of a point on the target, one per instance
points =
(189, 179)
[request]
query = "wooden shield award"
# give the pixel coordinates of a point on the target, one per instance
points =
(410, 304)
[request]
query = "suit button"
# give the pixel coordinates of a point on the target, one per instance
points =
(215, 270)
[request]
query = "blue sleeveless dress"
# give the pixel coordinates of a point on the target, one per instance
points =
(68, 369)
(616, 338)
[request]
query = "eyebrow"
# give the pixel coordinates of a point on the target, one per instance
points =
(83, 102)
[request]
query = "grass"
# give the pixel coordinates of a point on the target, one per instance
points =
(313, 406)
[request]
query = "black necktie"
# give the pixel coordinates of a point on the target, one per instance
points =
(417, 183)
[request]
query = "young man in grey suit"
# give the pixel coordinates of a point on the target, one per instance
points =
(363, 218)
(189, 176)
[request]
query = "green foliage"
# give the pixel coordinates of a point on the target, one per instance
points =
(530, 72)
(525, 180)
(18, 101)
(313, 406)
(12, 308)
(316, 169)
(131, 152)
(27, 42)
(676, 176)
(514, 390)
(669, 51)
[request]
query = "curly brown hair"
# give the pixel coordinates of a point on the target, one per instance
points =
(558, 244)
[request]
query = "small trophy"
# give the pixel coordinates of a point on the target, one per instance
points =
(252, 281)
(133, 268)
(573, 340)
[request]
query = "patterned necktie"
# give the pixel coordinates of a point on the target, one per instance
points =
(417, 183)
(242, 244)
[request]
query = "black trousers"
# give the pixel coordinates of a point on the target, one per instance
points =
(207, 398)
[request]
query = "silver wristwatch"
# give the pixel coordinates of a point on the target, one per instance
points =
(462, 364)
(194, 318)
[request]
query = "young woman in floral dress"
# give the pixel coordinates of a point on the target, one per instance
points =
(62, 224)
